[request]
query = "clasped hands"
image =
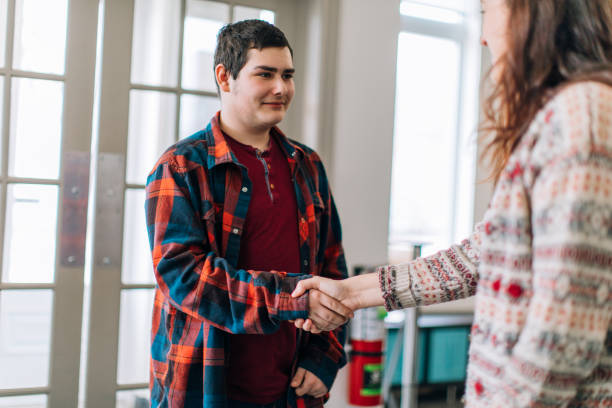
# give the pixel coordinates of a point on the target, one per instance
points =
(330, 304)
(328, 308)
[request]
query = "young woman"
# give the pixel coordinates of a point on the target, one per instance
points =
(540, 262)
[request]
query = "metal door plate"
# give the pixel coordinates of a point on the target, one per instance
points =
(74, 208)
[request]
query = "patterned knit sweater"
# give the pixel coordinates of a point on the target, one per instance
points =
(540, 264)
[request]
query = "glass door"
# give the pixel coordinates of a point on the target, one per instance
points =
(157, 87)
(47, 59)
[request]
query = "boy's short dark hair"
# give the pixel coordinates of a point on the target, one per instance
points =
(235, 40)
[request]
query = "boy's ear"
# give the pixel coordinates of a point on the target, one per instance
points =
(222, 77)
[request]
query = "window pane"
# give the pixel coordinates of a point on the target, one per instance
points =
(40, 35)
(196, 112)
(247, 13)
(29, 244)
(3, 5)
(424, 140)
(203, 20)
(133, 399)
(27, 401)
(134, 336)
(155, 42)
(36, 128)
(458, 5)
(137, 266)
(442, 11)
(151, 130)
(25, 336)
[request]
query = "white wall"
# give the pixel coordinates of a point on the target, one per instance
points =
(363, 132)
(344, 108)
(314, 39)
(360, 164)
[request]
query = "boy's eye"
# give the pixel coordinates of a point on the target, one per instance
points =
(288, 76)
(264, 74)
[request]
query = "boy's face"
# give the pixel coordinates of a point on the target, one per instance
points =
(263, 90)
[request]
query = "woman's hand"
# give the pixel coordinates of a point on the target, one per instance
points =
(334, 288)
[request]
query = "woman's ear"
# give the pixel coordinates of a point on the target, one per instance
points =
(222, 76)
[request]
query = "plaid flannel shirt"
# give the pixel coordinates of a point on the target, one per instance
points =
(197, 199)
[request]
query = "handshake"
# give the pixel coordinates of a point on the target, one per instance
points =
(331, 303)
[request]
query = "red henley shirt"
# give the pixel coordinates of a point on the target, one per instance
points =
(260, 365)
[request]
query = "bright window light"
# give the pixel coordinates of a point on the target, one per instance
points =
(425, 140)
(434, 144)
(267, 15)
(458, 5)
(431, 12)
(248, 13)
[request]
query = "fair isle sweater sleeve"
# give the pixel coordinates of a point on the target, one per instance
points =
(570, 309)
(448, 275)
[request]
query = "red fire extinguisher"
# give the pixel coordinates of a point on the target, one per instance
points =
(366, 357)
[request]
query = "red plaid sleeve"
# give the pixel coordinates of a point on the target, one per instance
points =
(189, 273)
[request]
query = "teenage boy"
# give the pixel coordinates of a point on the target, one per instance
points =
(237, 214)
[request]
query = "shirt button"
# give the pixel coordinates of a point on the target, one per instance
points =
(244, 189)
(235, 230)
(272, 186)
(306, 262)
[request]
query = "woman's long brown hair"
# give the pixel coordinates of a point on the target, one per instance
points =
(551, 43)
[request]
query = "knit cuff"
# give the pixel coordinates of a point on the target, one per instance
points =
(395, 284)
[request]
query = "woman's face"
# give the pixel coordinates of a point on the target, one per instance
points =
(495, 15)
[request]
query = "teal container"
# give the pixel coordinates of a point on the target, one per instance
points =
(447, 354)
(441, 355)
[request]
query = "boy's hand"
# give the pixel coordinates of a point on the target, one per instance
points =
(306, 383)
(326, 312)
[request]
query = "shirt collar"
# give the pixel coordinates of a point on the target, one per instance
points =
(219, 151)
